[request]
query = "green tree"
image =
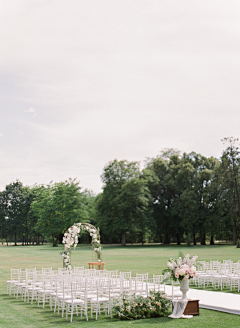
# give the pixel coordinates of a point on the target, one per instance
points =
(123, 205)
(57, 206)
(157, 170)
(198, 199)
(15, 206)
(229, 179)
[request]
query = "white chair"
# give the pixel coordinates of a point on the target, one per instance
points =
(176, 292)
(141, 284)
(158, 284)
(63, 293)
(13, 280)
(35, 286)
(46, 270)
(45, 293)
(78, 269)
(220, 279)
(75, 303)
(234, 276)
(30, 277)
(102, 299)
(21, 281)
(205, 276)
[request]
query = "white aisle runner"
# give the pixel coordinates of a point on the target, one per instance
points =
(219, 301)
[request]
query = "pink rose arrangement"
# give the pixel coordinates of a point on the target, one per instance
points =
(182, 268)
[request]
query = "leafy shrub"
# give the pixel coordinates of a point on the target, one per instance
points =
(238, 243)
(132, 307)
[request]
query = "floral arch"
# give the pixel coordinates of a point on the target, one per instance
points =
(71, 239)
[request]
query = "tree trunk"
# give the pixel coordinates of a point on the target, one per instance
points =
(42, 240)
(236, 188)
(123, 241)
(22, 240)
(212, 241)
(7, 241)
(142, 237)
(203, 238)
(234, 232)
(15, 239)
(166, 240)
(54, 241)
(132, 239)
(178, 239)
(194, 239)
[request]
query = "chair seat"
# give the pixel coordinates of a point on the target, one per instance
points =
(90, 296)
(74, 301)
(11, 281)
(100, 299)
(33, 288)
(48, 291)
(20, 284)
(61, 297)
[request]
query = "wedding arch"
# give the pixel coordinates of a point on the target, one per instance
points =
(70, 239)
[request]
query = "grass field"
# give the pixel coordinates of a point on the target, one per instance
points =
(152, 259)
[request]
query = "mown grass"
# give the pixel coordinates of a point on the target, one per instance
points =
(152, 259)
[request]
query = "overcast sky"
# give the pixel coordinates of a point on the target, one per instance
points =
(84, 82)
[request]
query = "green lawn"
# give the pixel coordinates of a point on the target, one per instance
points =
(152, 259)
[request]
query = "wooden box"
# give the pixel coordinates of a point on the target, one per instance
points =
(192, 308)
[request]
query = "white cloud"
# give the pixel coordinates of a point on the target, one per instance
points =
(31, 110)
(1, 135)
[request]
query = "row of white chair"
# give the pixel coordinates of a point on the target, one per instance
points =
(218, 274)
(79, 290)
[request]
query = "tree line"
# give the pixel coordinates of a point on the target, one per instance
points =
(173, 198)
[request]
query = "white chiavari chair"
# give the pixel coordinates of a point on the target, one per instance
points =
(102, 301)
(176, 292)
(75, 303)
(13, 280)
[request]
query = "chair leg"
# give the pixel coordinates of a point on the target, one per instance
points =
(67, 311)
(72, 312)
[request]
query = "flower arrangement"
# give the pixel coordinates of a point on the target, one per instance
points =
(181, 269)
(70, 239)
(133, 307)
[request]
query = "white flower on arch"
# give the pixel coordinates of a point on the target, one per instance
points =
(70, 239)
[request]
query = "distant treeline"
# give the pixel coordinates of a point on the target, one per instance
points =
(174, 198)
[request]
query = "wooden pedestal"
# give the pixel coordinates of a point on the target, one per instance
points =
(192, 308)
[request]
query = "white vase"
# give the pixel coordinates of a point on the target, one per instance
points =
(184, 287)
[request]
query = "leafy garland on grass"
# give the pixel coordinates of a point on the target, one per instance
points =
(133, 307)
(71, 239)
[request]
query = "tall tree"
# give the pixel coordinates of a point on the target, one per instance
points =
(15, 206)
(57, 207)
(157, 170)
(229, 176)
(124, 202)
